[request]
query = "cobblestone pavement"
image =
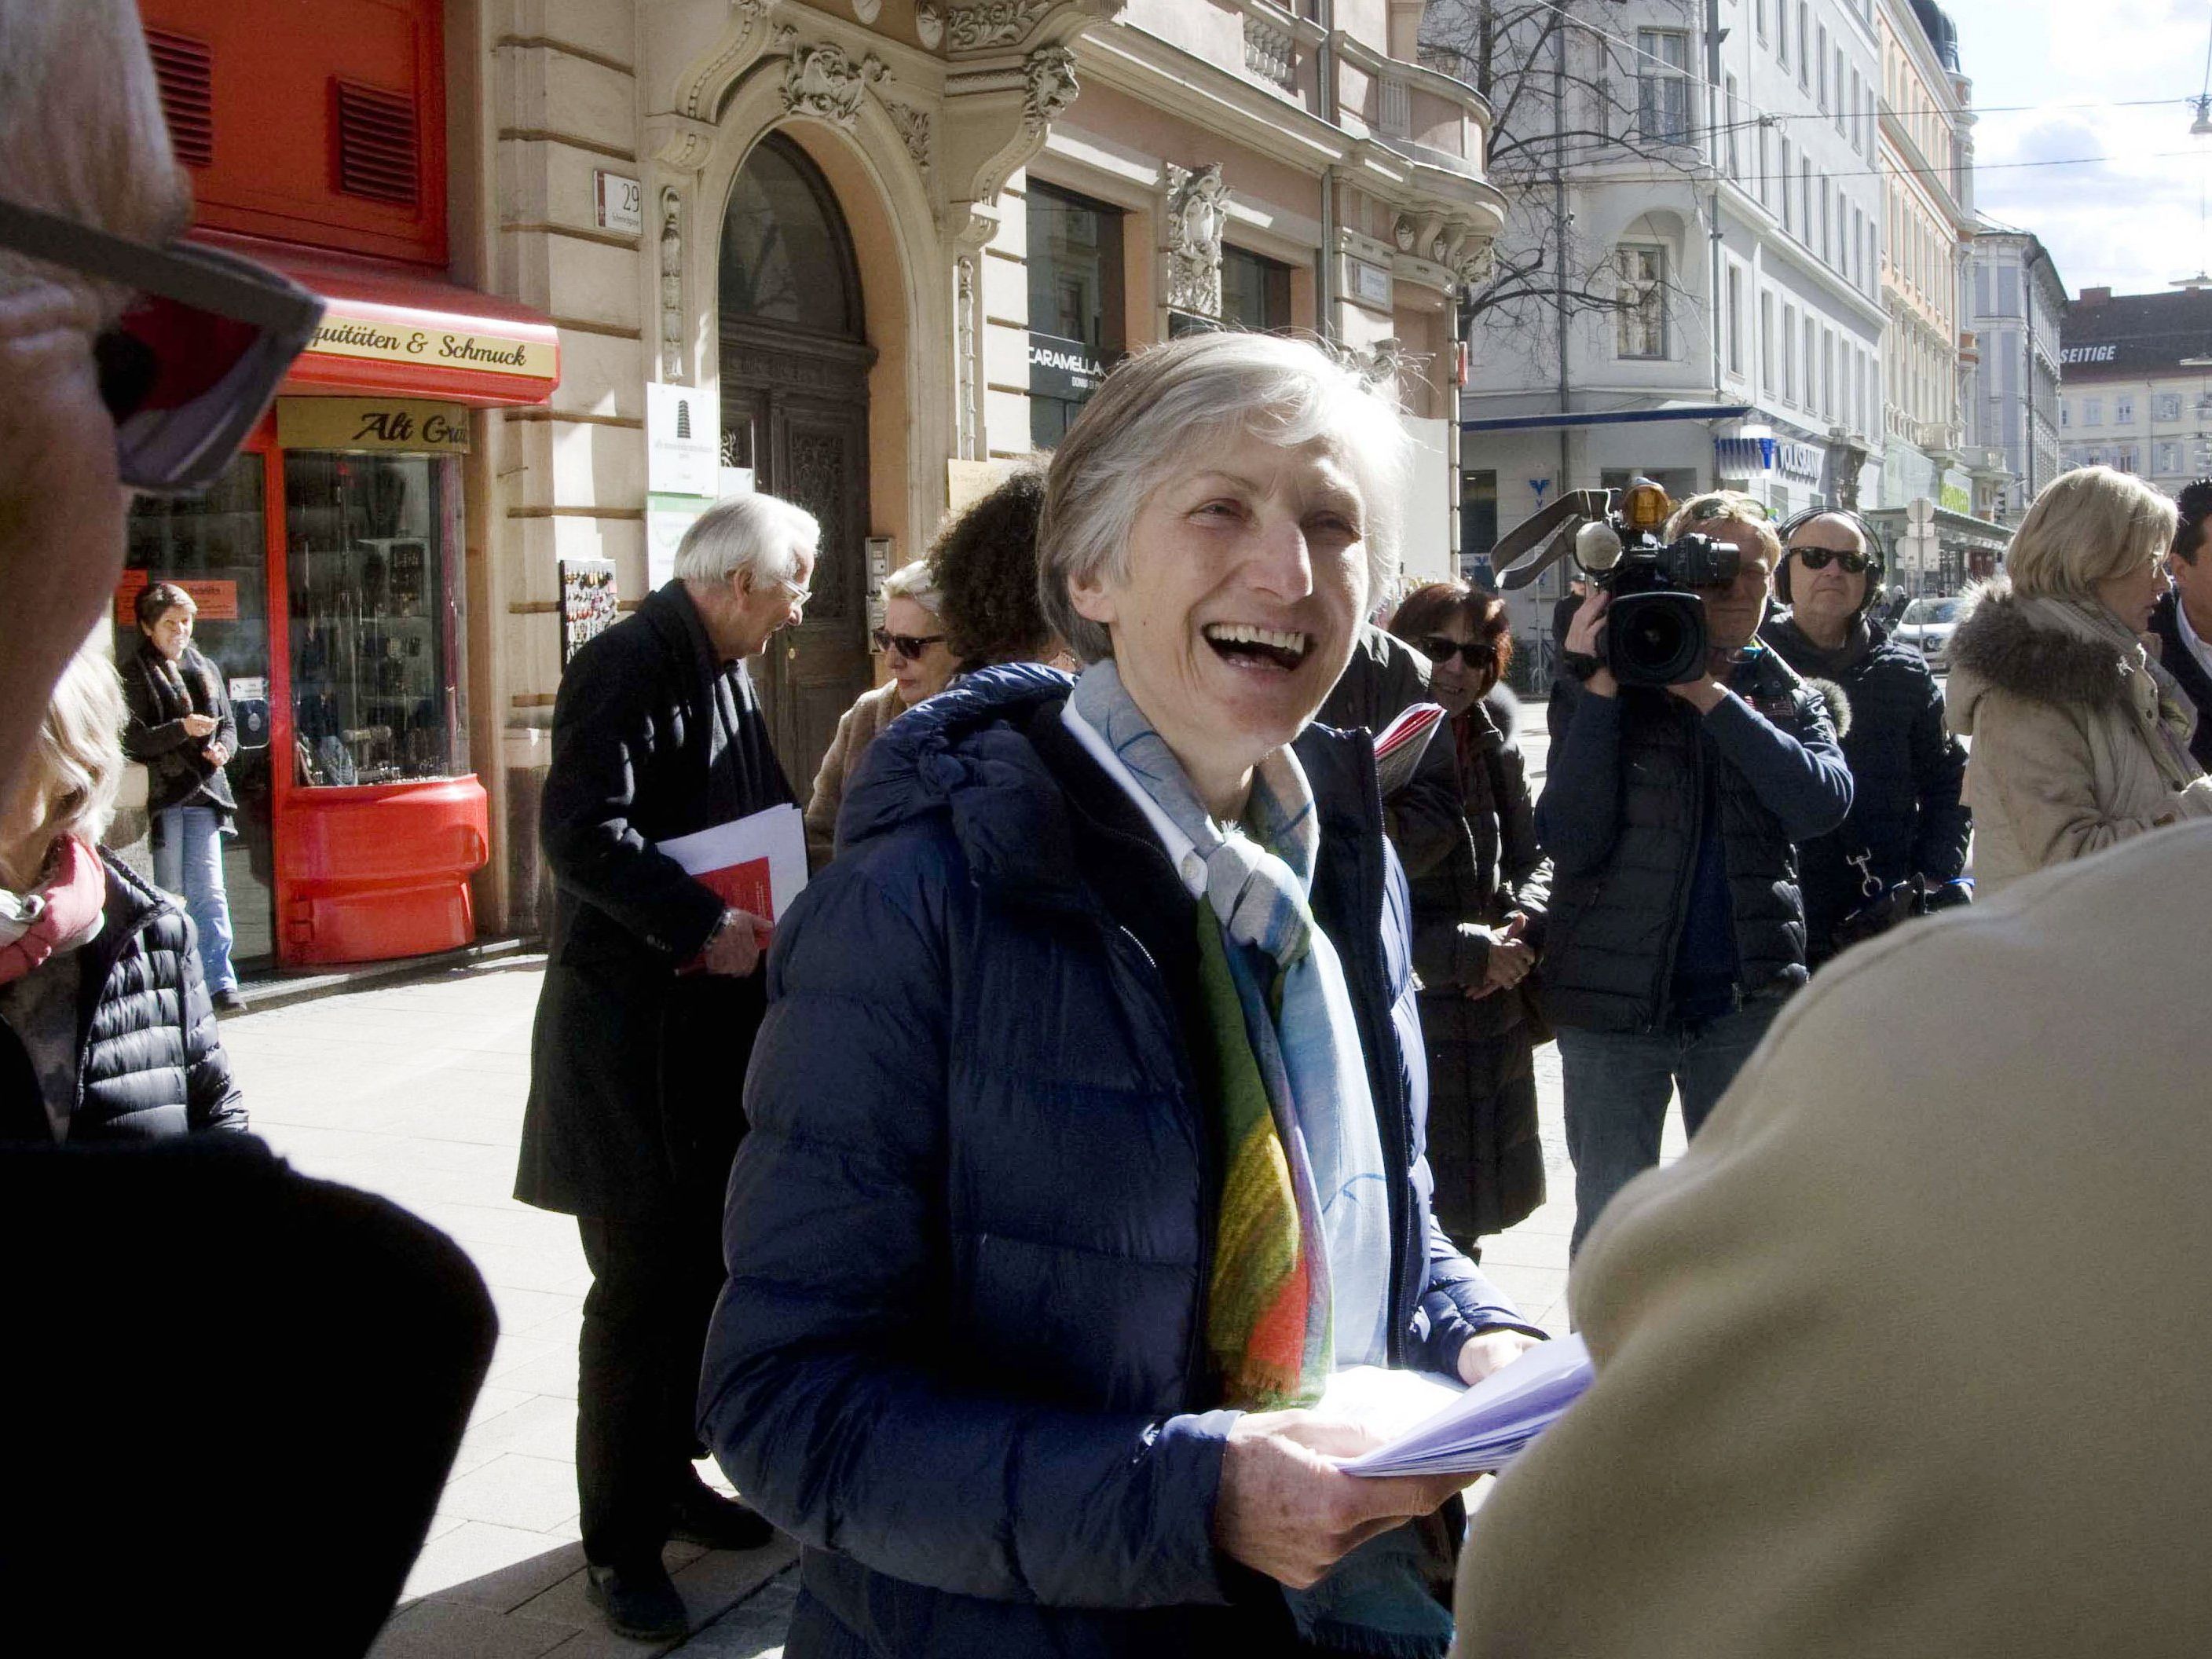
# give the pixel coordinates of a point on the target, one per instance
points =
(415, 1090)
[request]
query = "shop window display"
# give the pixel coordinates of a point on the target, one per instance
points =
(378, 674)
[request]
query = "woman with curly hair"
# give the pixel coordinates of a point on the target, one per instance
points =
(985, 566)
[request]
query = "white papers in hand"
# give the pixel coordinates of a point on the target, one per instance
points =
(757, 863)
(1387, 1403)
(1492, 1422)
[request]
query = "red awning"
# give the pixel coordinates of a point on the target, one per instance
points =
(396, 332)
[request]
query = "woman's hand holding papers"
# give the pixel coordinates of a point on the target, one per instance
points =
(1286, 1509)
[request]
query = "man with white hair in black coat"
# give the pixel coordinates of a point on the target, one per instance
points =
(651, 1001)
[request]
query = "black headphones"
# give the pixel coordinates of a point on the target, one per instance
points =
(1877, 566)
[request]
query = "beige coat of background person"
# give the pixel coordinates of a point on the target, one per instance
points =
(1906, 1357)
(2080, 739)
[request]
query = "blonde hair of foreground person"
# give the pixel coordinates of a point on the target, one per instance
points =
(2087, 527)
(75, 764)
(1905, 1356)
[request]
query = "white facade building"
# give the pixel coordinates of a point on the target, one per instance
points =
(1721, 223)
(2016, 301)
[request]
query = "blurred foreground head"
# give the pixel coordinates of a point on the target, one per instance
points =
(80, 136)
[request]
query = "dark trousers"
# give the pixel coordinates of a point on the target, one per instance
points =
(1619, 1083)
(653, 1286)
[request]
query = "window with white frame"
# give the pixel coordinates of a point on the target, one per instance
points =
(1811, 367)
(1790, 354)
(1828, 375)
(2128, 459)
(2093, 411)
(1805, 197)
(1841, 107)
(1735, 318)
(1759, 11)
(1765, 166)
(2065, 411)
(1821, 70)
(2169, 457)
(1827, 247)
(2124, 410)
(2166, 406)
(1662, 86)
(1640, 302)
(1804, 46)
(1782, 32)
(1766, 344)
(1853, 107)
(1735, 152)
(1786, 186)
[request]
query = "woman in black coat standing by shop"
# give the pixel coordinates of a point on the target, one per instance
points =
(1478, 922)
(182, 729)
(1907, 820)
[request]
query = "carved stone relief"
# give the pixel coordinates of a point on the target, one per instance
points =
(963, 353)
(671, 284)
(868, 10)
(824, 79)
(1050, 73)
(913, 126)
(998, 23)
(929, 25)
(1191, 222)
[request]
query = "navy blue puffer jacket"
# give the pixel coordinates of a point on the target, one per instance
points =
(960, 1355)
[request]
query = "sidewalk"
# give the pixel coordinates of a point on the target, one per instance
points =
(415, 1090)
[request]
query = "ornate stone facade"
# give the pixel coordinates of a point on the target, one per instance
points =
(1193, 214)
(824, 80)
(1049, 74)
(998, 23)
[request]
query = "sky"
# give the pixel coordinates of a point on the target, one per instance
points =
(2133, 223)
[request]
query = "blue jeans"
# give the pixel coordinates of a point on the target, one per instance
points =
(1617, 1084)
(188, 862)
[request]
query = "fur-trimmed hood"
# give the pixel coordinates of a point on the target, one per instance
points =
(2001, 644)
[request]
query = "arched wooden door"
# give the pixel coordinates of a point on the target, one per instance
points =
(795, 361)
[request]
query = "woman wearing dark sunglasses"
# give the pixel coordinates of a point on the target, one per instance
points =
(912, 641)
(1477, 923)
(1906, 821)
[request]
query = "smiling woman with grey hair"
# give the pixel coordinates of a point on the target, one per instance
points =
(1087, 1115)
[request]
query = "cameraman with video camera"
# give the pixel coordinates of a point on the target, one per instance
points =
(1670, 813)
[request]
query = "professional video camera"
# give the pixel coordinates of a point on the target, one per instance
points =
(1655, 627)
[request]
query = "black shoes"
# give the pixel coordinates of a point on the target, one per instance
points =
(230, 1002)
(705, 1517)
(640, 1602)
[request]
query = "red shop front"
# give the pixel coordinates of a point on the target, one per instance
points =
(329, 568)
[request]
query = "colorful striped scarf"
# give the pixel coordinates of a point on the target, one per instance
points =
(1302, 1259)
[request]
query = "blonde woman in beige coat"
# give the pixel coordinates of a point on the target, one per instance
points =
(2080, 739)
(912, 641)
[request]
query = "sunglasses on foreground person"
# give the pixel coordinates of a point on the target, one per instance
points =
(195, 357)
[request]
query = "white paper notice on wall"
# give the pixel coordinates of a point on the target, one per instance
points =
(666, 518)
(683, 440)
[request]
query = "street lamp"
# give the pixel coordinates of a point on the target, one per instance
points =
(2201, 126)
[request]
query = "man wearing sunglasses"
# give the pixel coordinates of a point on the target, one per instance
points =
(1907, 822)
